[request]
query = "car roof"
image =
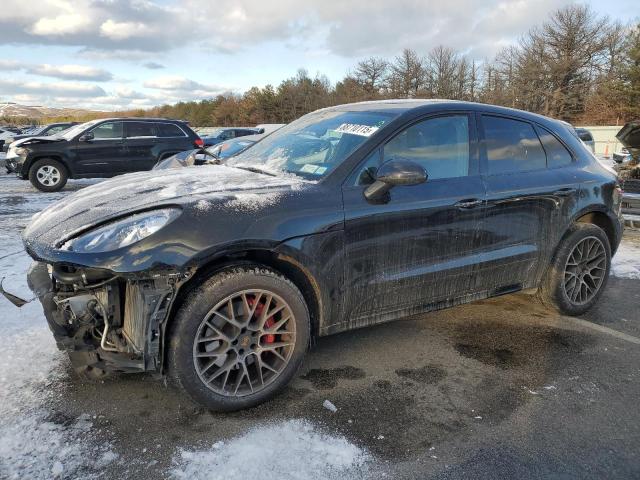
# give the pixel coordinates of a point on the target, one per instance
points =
(401, 106)
(140, 119)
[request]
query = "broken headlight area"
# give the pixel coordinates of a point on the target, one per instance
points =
(105, 322)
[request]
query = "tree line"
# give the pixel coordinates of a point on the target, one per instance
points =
(576, 66)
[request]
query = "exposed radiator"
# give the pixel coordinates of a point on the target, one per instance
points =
(135, 315)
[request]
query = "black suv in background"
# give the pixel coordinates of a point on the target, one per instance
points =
(100, 148)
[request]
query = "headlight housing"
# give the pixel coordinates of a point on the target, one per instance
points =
(123, 232)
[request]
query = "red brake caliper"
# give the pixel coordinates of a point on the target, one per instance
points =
(269, 338)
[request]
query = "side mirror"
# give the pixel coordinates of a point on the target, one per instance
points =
(395, 172)
(86, 137)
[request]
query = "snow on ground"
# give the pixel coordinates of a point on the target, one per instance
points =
(289, 450)
(626, 261)
(33, 445)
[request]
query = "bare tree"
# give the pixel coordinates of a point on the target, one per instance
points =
(407, 74)
(371, 73)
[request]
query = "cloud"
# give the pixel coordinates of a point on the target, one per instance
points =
(123, 30)
(46, 89)
(64, 72)
(349, 29)
(153, 66)
(173, 82)
(71, 72)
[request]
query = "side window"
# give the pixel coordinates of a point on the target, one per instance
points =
(512, 145)
(169, 130)
(366, 172)
(56, 129)
(140, 129)
(108, 130)
(440, 145)
(557, 154)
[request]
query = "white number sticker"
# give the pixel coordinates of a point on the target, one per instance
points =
(355, 129)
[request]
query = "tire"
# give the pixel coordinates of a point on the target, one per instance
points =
(220, 363)
(48, 175)
(591, 252)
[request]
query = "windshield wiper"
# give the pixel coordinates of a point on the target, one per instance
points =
(255, 170)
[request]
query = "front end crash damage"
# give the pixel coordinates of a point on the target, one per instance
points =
(106, 322)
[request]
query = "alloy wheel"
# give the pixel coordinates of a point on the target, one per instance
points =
(585, 270)
(48, 175)
(244, 342)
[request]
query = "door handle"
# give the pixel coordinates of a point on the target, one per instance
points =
(469, 203)
(565, 192)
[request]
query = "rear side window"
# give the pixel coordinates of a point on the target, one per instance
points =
(169, 130)
(512, 145)
(108, 130)
(440, 145)
(557, 154)
(140, 129)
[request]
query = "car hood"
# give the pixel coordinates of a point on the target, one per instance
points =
(191, 187)
(35, 140)
(629, 136)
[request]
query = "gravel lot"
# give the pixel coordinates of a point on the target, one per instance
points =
(497, 389)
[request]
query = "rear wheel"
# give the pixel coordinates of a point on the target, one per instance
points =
(239, 338)
(48, 175)
(579, 272)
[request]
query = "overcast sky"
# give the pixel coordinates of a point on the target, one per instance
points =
(113, 54)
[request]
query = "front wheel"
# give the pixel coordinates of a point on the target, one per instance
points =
(239, 338)
(578, 274)
(48, 175)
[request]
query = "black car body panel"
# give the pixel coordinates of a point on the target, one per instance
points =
(358, 262)
(126, 152)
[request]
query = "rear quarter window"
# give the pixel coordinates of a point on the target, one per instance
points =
(166, 130)
(512, 146)
(557, 154)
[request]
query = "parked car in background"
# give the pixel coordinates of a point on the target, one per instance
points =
(6, 132)
(222, 134)
(100, 148)
(587, 137)
(347, 217)
(629, 136)
(42, 131)
(622, 155)
(213, 155)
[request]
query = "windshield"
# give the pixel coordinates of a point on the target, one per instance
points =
(314, 145)
(70, 133)
(229, 149)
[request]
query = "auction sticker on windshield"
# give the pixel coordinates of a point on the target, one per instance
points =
(355, 129)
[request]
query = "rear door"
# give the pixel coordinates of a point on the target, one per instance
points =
(420, 246)
(530, 191)
(104, 155)
(141, 139)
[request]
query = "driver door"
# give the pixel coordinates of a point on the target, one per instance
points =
(420, 247)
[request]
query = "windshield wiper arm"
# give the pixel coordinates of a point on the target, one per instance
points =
(256, 170)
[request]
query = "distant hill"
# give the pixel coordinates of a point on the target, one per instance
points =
(16, 111)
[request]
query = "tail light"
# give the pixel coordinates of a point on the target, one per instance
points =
(199, 143)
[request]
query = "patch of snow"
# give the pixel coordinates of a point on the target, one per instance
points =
(626, 261)
(292, 450)
(32, 371)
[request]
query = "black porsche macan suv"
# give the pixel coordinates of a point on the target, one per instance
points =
(220, 275)
(100, 148)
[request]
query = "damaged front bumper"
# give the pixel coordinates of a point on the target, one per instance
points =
(106, 322)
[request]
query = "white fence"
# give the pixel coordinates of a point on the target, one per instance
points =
(605, 139)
